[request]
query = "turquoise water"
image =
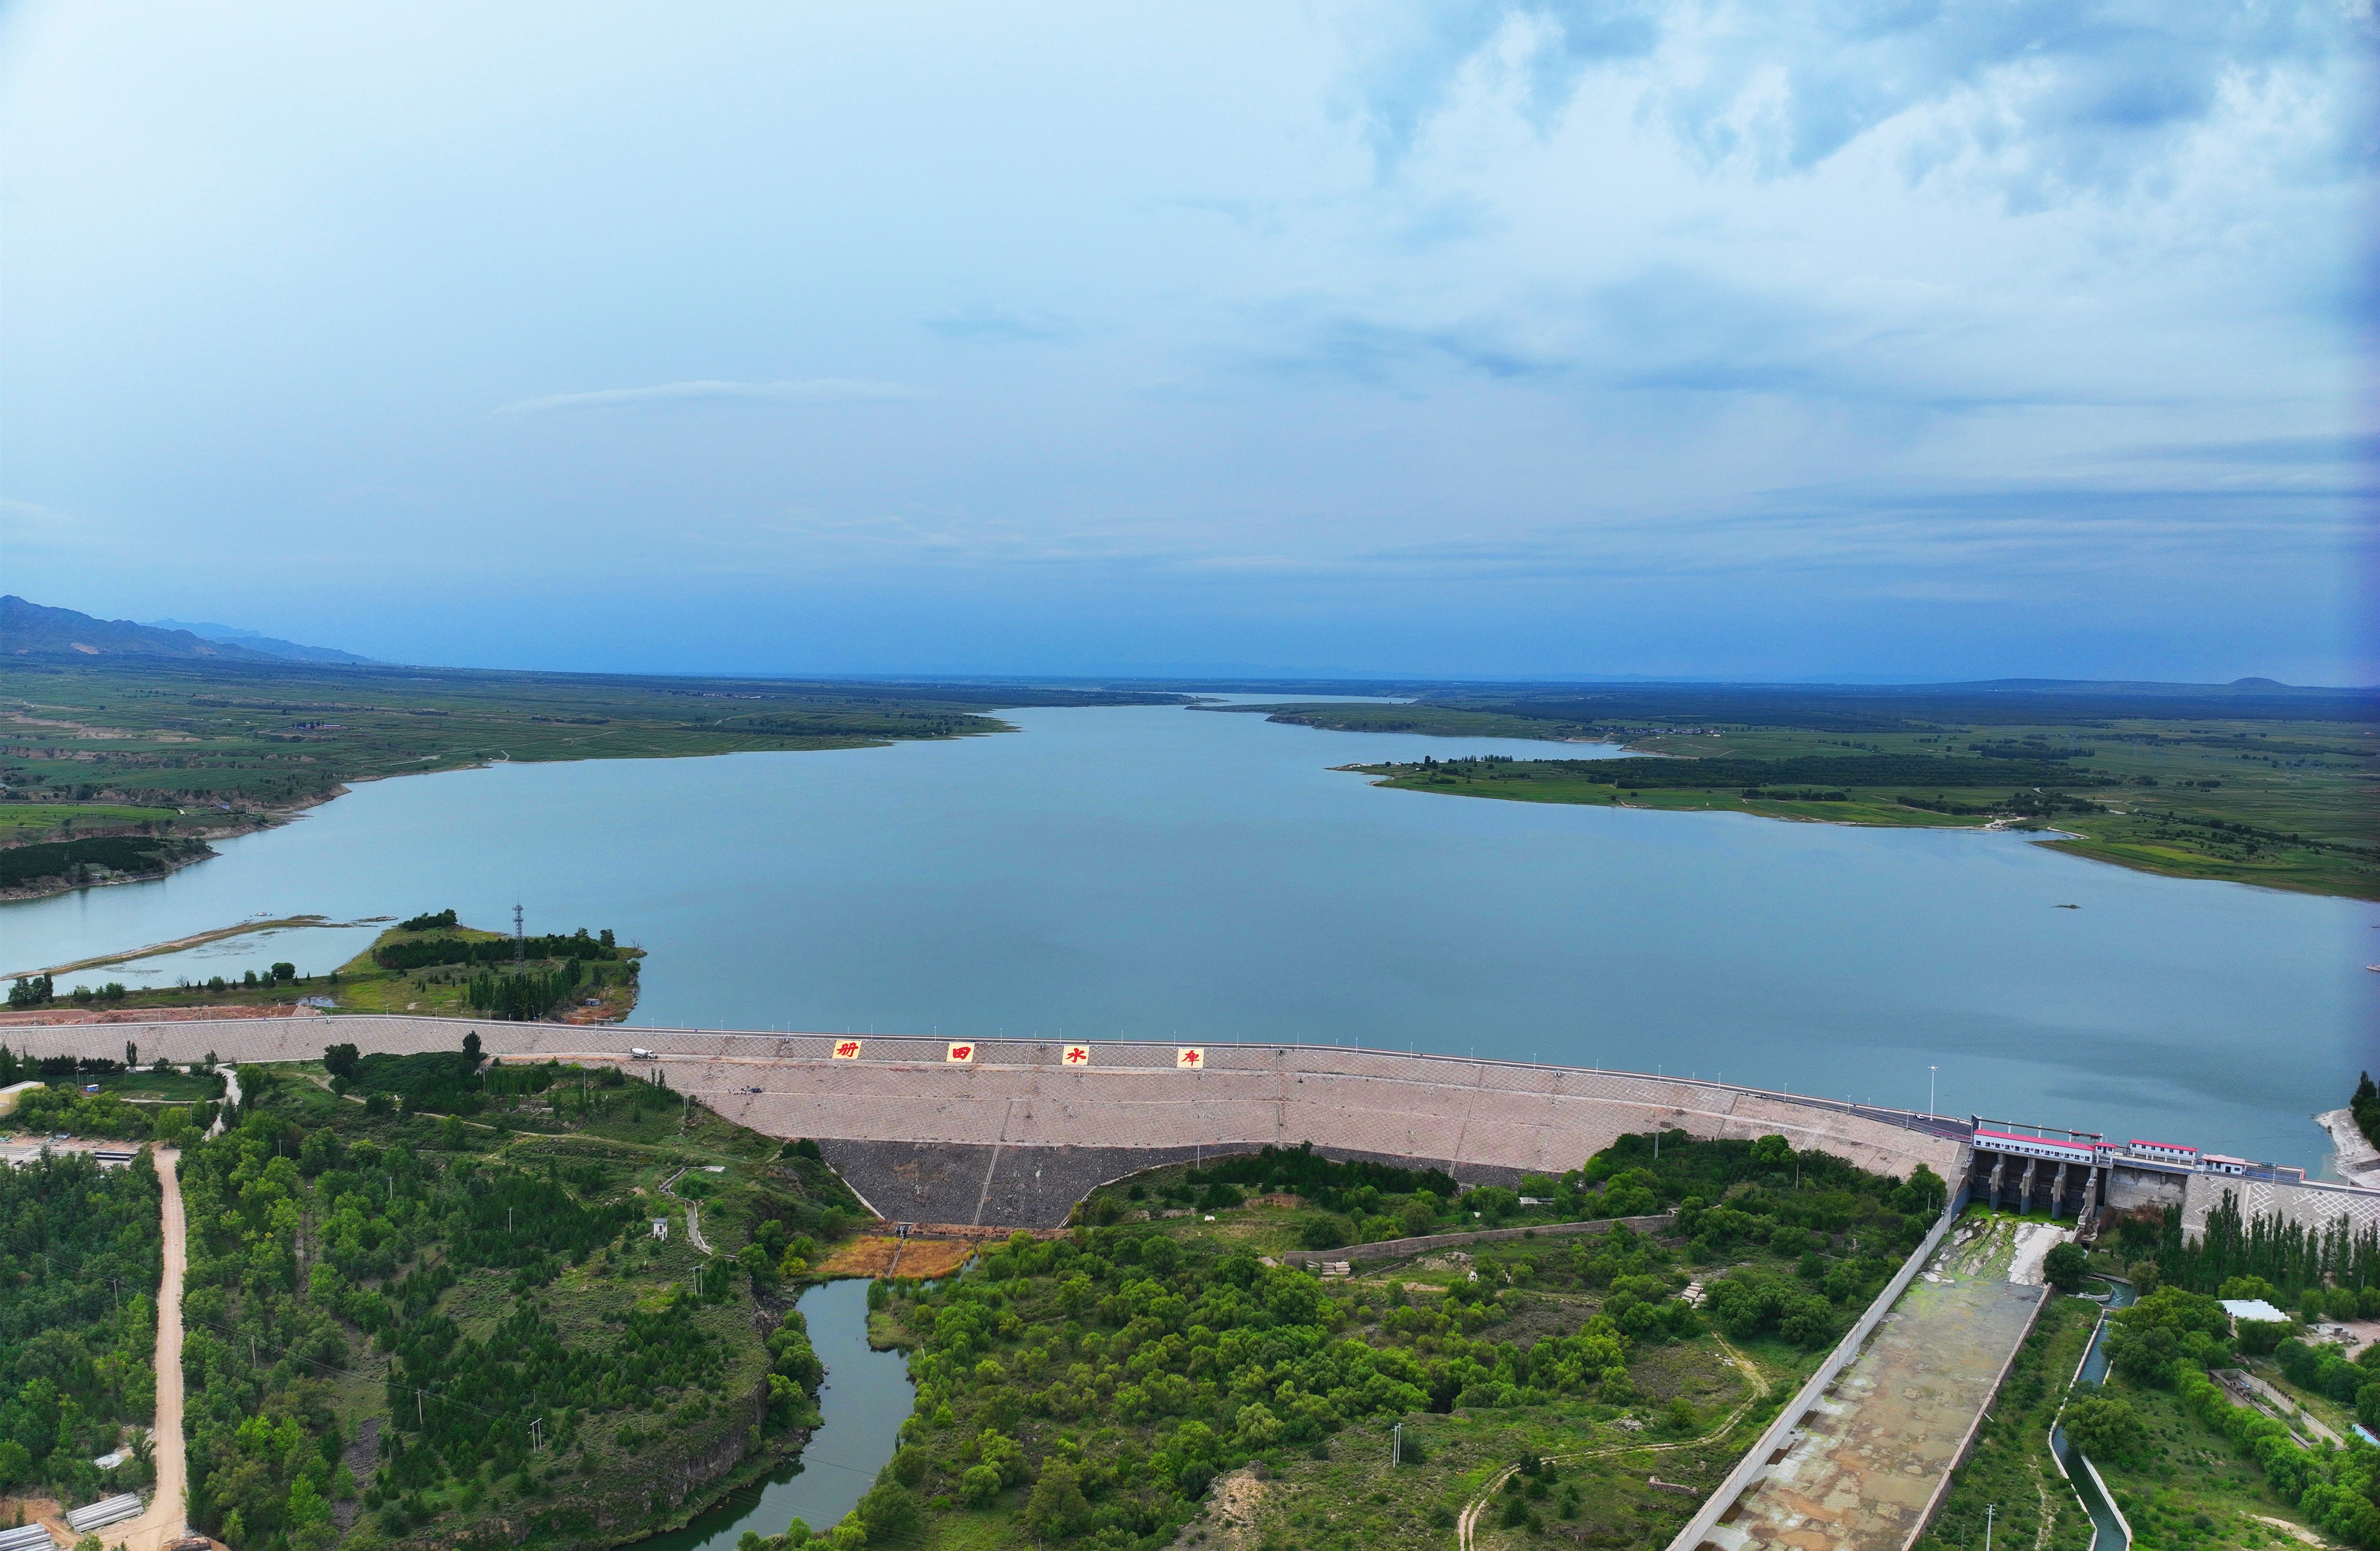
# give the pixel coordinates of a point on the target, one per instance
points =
(1146, 871)
(865, 1398)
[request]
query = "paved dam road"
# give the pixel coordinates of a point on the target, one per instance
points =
(1015, 1133)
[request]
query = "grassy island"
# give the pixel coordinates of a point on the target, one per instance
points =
(433, 964)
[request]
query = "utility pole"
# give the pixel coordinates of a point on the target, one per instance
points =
(1397, 1443)
(1989, 1510)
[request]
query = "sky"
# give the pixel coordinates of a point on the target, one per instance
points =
(1878, 339)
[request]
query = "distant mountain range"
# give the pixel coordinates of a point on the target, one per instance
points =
(31, 630)
(257, 640)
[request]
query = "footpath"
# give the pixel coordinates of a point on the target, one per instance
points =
(164, 1522)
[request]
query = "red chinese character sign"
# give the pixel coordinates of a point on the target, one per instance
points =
(1076, 1055)
(963, 1053)
(1190, 1058)
(846, 1049)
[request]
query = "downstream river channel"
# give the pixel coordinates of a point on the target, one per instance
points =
(1152, 872)
(866, 1396)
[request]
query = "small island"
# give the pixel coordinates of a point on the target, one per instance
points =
(430, 964)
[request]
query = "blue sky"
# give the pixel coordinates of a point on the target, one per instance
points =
(1875, 338)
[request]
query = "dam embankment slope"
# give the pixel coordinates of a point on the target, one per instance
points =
(1017, 1132)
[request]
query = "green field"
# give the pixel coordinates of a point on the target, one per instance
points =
(155, 746)
(2248, 786)
(22, 822)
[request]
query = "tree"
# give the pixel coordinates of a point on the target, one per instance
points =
(341, 1061)
(1058, 1507)
(2151, 1341)
(2066, 1265)
(1772, 1152)
(888, 1511)
(471, 1045)
(2106, 1428)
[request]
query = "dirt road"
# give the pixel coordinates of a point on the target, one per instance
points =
(164, 1521)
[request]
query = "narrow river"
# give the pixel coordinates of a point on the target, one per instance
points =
(866, 1396)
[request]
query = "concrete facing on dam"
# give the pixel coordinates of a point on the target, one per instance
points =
(1491, 1118)
(2313, 1204)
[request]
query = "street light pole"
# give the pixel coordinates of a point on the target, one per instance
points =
(1929, 1089)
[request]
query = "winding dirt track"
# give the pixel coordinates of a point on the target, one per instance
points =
(163, 1522)
(1474, 1513)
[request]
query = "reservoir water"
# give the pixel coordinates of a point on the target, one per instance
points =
(1151, 871)
(865, 1398)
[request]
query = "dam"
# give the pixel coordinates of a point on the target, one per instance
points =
(1012, 1132)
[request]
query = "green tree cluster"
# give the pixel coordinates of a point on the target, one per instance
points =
(329, 1247)
(59, 1107)
(79, 1262)
(1095, 1386)
(428, 952)
(2287, 1255)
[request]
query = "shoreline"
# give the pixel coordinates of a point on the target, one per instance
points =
(263, 819)
(2067, 842)
(175, 945)
(2353, 1159)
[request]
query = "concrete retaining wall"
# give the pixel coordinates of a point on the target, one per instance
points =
(1774, 1436)
(1396, 1249)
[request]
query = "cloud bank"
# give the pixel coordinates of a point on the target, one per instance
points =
(819, 390)
(1510, 336)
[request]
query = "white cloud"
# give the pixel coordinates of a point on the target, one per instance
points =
(814, 390)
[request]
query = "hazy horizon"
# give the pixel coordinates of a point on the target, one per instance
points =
(1548, 341)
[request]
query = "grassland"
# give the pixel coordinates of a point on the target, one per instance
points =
(2249, 787)
(201, 748)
